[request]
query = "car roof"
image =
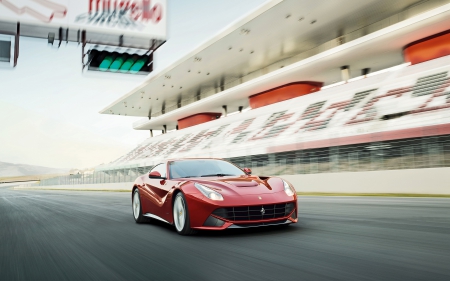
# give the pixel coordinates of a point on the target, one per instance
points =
(198, 158)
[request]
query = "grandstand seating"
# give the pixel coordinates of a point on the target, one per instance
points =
(380, 107)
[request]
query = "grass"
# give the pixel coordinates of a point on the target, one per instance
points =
(28, 178)
(373, 194)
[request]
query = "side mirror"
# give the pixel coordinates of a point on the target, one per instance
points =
(154, 175)
(248, 171)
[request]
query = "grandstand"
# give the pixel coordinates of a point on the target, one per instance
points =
(409, 102)
(395, 118)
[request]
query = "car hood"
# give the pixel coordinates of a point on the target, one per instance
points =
(242, 185)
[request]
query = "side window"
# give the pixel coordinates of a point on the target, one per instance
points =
(161, 168)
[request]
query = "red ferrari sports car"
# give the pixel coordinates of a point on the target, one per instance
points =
(211, 194)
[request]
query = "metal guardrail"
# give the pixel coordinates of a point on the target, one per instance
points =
(426, 152)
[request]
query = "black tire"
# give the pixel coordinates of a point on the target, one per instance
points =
(137, 210)
(186, 229)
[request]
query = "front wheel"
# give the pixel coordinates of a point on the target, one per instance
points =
(181, 215)
(137, 208)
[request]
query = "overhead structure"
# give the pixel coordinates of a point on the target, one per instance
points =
(311, 41)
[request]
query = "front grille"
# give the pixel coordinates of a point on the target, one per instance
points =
(259, 212)
(283, 221)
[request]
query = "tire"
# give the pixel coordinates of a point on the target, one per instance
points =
(180, 213)
(137, 207)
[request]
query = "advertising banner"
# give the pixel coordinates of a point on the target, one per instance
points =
(140, 18)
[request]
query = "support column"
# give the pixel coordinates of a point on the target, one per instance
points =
(365, 71)
(345, 73)
(224, 111)
(151, 133)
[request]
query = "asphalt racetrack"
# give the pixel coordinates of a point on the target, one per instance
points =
(75, 235)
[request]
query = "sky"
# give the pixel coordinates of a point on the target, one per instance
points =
(49, 108)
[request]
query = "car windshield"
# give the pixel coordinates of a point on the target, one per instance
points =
(203, 168)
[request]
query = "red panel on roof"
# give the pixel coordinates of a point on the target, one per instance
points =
(284, 92)
(197, 119)
(429, 48)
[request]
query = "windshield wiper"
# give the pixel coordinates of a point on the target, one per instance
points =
(218, 175)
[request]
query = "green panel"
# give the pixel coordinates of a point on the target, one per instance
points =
(127, 65)
(104, 65)
(137, 66)
(116, 64)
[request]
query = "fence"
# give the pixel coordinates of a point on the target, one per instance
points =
(416, 153)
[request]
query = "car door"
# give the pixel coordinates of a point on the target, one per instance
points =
(156, 190)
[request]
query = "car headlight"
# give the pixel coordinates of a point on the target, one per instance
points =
(208, 192)
(288, 189)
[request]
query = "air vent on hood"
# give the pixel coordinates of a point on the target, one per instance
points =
(243, 183)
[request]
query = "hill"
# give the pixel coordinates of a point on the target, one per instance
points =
(19, 170)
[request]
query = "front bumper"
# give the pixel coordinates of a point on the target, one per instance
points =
(249, 224)
(283, 222)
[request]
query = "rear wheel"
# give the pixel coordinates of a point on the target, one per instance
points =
(181, 215)
(137, 208)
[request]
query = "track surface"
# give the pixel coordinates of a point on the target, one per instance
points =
(57, 235)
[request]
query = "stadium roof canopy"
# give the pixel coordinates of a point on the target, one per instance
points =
(290, 35)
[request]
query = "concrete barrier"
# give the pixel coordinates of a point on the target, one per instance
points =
(411, 181)
(121, 186)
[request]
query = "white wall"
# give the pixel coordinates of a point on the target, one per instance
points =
(412, 181)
